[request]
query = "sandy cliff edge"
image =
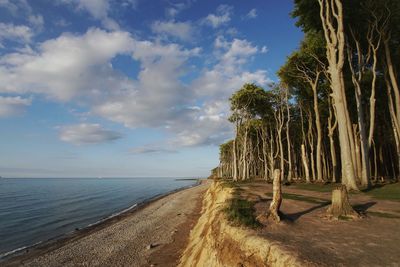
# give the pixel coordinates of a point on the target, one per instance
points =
(214, 242)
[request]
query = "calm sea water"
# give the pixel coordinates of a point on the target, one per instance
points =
(35, 209)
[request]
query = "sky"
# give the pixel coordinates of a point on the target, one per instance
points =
(130, 88)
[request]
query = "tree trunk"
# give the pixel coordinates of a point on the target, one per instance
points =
(393, 79)
(290, 171)
(393, 116)
(340, 207)
(334, 36)
(331, 130)
(235, 167)
(311, 143)
(305, 163)
(280, 126)
(363, 166)
(276, 197)
(319, 132)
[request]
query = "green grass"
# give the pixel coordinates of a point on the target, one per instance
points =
(297, 197)
(316, 187)
(241, 212)
(387, 192)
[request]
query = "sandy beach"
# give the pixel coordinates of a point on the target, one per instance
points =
(153, 235)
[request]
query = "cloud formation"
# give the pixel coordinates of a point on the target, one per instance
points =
(16, 33)
(67, 66)
(84, 133)
(13, 105)
(78, 67)
(222, 16)
(180, 30)
(16, 6)
(252, 14)
(99, 10)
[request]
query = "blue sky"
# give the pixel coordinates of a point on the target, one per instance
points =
(129, 88)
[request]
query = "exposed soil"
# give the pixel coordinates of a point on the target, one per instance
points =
(373, 240)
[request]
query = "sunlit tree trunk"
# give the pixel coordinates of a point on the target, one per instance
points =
(331, 13)
(279, 121)
(276, 197)
(235, 167)
(393, 116)
(331, 131)
(363, 169)
(290, 171)
(311, 143)
(393, 79)
(319, 130)
(305, 163)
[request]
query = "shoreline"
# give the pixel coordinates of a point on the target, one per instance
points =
(43, 247)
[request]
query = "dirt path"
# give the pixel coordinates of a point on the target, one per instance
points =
(371, 241)
(125, 243)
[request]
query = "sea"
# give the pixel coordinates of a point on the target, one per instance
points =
(35, 210)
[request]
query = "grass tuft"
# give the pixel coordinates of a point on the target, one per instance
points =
(241, 212)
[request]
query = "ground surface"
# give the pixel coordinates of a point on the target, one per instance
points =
(371, 241)
(165, 224)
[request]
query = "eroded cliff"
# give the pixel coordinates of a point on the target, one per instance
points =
(215, 242)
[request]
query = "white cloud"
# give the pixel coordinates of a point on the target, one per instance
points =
(85, 133)
(205, 126)
(252, 14)
(98, 9)
(222, 16)
(13, 105)
(16, 6)
(67, 66)
(181, 30)
(22, 9)
(78, 68)
(195, 114)
(175, 8)
(18, 33)
(159, 96)
(264, 49)
(233, 55)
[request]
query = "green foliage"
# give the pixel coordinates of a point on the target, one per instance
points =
(307, 13)
(263, 126)
(250, 101)
(241, 212)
